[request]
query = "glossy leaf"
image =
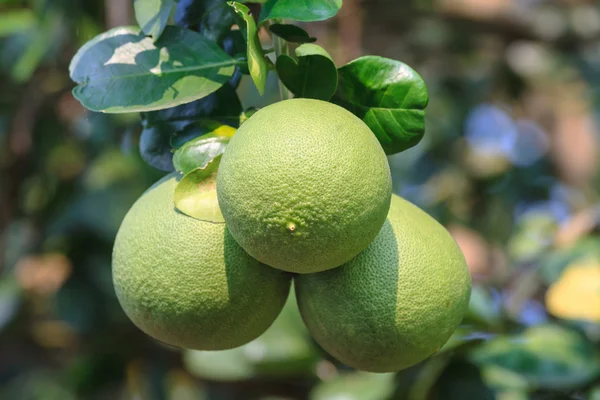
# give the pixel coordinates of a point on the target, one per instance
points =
(197, 153)
(152, 15)
(300, 10)
(389, 96)
(124, 71)
(196, 193)
(546, 356)
(291, 33)
(155, 149)
(314, 74)
(257, 63)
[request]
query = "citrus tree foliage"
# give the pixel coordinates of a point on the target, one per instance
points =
(159, 67)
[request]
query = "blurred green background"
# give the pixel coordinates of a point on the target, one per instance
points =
(509, 164)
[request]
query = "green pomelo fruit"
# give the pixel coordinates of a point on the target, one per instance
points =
(304, 186)
(397, 302)
(187, 282)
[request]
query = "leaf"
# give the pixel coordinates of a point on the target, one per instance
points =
(153, 15)
(256, 58)
(389, 96)
(155, 149)
(39, 43)
(217, 20)
(576, 295)
(246, 114)
(222, 105)
(356, 386)
(291, 33)
(196, 193)
(285, 349)
(546, 356)
(10, 299)
(197, 153)
(314, 74)
(483, 308)
(300, 10)
(189, 13)
(13, 21)
(124, 71)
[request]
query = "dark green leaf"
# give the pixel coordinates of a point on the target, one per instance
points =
(196, 193)
(189, 13)
(197, 153)
(217, 20)
(300, 10)
(291, 33)
(124, 71)
(222, 105)
(389, 96)
(214, 18)
(314, 74)
(547, 356)
(152, 15)
(257, 63)
(155, 148)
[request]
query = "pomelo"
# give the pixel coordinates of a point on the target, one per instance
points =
(187, 282)
(304, 185)
(397, 302)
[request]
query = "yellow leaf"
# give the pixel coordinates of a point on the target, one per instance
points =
(576, 295)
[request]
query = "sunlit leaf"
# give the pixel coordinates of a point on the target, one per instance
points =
(314, 74)
(256, 58)
(152, 15)
(197, 153)
(124, 71)
(304, 10)
(389, 96)
(196, 194)
(291, 33)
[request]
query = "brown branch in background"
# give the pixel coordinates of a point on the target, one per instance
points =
(350, 30)
(118, 12)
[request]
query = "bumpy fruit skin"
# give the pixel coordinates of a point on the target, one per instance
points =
(186, 282)
(397, 302)
(304, 186)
